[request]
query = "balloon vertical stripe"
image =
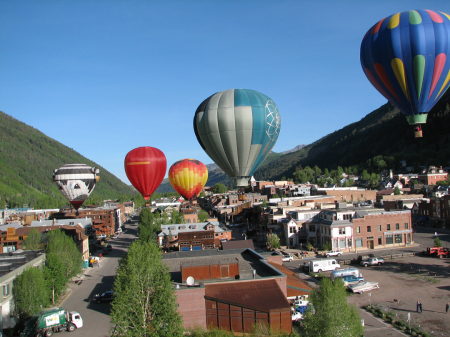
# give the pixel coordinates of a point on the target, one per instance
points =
(419, 70)
(399, 70)
(445, 83)
(382, 75)
(438, 67)
(414, 18)
(394, 21)
(435, 16)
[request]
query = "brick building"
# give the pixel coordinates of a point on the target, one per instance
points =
(105, 220)
(231, 299)
(432, 175)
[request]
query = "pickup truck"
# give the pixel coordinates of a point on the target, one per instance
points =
(333, 253)
(372, 261)
(287, 258)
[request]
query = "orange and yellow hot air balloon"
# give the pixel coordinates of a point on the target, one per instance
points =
(187, 177)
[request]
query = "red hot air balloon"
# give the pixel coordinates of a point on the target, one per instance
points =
(187, 177)
(145, 168)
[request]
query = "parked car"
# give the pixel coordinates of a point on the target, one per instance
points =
(107, 296)
(101, 236)
(287, 258)
(333, 253)
(372, 261)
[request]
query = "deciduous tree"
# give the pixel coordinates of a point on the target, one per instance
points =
(332, 316)
(202, 216)
(219, 188)
(33, 240)
(145, 302)
(31, 293)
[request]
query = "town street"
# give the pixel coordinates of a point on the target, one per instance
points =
(96, 320)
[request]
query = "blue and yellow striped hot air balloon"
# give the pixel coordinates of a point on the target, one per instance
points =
(406, 57)
(237, 128)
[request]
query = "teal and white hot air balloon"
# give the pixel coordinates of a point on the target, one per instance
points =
(237, 128)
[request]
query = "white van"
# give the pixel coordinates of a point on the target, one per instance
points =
(345, 272)
(319, 265)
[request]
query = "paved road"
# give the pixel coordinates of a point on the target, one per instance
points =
(97, 322)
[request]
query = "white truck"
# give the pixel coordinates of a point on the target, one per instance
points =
(320, 265)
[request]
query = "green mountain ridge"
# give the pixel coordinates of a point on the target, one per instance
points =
(27, 160)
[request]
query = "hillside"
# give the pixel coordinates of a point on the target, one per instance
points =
(382, 132)
(27, 160)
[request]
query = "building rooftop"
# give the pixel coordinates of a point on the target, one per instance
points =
(247, 259)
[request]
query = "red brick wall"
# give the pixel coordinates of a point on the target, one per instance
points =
(383, 220)
(191, 306)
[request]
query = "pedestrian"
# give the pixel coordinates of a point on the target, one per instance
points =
(418, 306)
(421, 309)
(435, 234)
(447, 306)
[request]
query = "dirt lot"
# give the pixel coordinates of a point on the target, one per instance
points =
(410, 280)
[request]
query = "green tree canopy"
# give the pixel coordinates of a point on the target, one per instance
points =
(397, 191)
(145, 302)
(202, 216)
(333, 316)
(63, 260)
(33, 240)
(273, 241)
(30, 292)
(219, 188)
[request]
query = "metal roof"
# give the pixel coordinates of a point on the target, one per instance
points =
(264, 295)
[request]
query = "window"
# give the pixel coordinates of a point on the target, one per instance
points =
(342, 231)
(342, 243)
(397, 226)
(369, 229)
(358, 229)
(388, 227)
(312, 228)
(291, 230)
(217, 234)
(358, 242)
(349, 243)
(379, 228)
(5, 290)
(389, 240)
(406, 225)
(398, 238)
(380, 241)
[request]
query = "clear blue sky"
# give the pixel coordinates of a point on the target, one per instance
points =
(104, 77)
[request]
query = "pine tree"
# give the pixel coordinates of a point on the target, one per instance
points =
(145, 301)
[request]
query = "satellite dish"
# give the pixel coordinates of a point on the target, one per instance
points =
(190, 281)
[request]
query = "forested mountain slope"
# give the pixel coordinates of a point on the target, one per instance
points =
(27, 160)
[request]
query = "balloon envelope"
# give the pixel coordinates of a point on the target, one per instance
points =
(76, 182)
(187, 177)
(237, 128)
(406, 58)
(145, 168)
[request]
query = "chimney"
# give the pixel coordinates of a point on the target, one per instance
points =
(391, 175)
